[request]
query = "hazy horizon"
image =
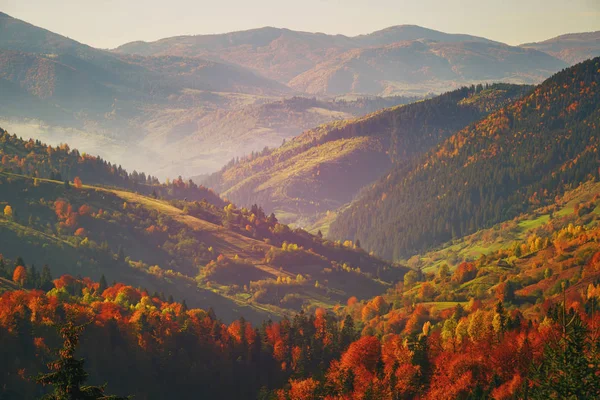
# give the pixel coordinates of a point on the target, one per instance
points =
(109, 24)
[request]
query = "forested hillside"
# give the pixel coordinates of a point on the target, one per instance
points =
(324, 168)
(38, 160)
(521, 320)
(83, 216)
(516, 158)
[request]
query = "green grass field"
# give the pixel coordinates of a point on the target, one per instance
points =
(474, 246)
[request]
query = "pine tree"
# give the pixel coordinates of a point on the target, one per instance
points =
(33, 278)
(348, 334)
(102, 284)
(569, 366)
(67, 375)
(19, 261)
(46, 278)
(3, 272)
(120, 254)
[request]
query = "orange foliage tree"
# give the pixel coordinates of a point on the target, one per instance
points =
(20, 275)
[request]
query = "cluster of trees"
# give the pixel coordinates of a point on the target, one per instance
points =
(37, 159)
(508, 163)
(125, 334)
(233, 272)
(481, 354)
(26, 277)
(130, 335)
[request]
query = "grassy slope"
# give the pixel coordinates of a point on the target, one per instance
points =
(571, 265)
(38, 243)
(64, 257)
(223, 240)
(505, 235)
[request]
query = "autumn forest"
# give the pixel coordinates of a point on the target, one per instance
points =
(274, 214)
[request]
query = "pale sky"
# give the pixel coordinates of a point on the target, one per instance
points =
(109, 23)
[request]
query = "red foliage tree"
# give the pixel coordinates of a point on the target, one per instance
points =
(465, 272)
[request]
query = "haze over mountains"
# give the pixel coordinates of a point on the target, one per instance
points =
(403, 214)
(399, 59)
(527, 168)
(186, 105)
(323, 169)
(571, 48)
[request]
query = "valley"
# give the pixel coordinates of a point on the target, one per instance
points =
(186, 105)
(279, 214)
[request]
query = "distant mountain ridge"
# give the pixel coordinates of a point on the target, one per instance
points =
(261, 37)
(410, 64)
(375, 63)
(163, 106)
(571, 48)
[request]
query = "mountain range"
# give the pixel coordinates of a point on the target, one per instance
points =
(186, 105)
(400, 59)
(482, 316)
(440, 243)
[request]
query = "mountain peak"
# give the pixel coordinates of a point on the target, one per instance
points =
(399, 33)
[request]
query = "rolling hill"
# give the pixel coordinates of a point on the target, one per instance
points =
(135, 76)
(520, 156)
(571, 48)
(238, 261)
(411, 66)
(324, 168)
(204, 141)
(493, 303)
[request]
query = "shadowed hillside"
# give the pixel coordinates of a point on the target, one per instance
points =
(518, 157)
